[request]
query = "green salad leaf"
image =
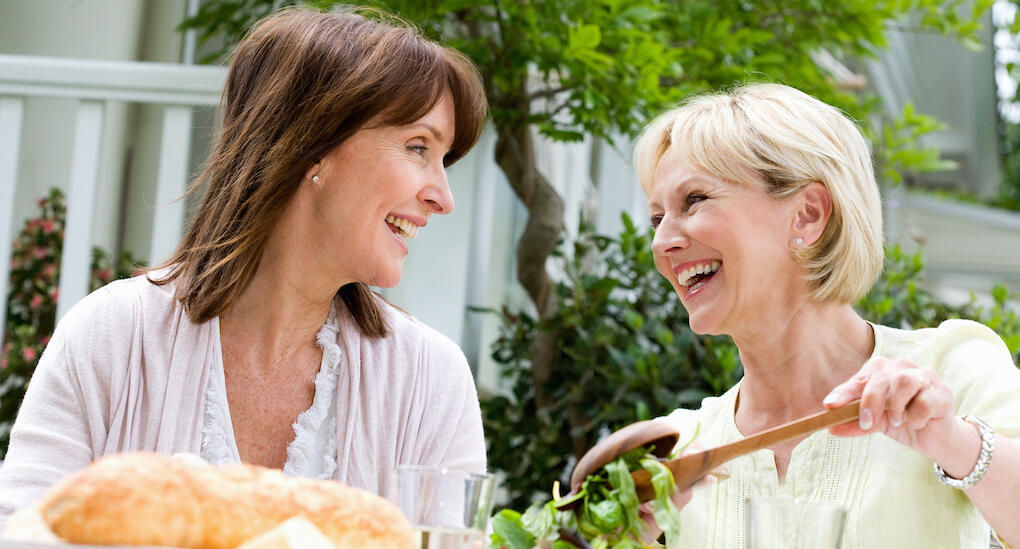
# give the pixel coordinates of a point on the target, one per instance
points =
(607, 515)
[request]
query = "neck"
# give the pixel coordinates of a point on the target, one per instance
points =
(282, 308)
(788, 372)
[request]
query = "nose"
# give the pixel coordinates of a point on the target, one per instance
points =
(669, 237)
(437, 196)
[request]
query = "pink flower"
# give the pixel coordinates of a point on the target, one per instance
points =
(49, 270)
(45, 340)
(29, 354)
(15, 262)
(104, 275)
(39, 252)
(41, 202)
(47, 226)
(36, 302)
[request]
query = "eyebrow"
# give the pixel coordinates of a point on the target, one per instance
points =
(432, 129)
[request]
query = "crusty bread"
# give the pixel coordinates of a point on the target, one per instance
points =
(293, 533)
(150, 499)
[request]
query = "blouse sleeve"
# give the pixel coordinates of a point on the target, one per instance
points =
(459, 411)
(52, 435)
(978, 367)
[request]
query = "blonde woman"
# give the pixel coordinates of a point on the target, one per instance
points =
(768, 224)
(259, 340)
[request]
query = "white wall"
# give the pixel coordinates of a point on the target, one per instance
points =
(92, 29)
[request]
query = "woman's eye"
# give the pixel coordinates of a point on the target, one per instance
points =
(419, 149)
(655, 220)
(694, 198)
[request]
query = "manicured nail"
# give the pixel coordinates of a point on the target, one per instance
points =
(896, 421)
(866, 419)
(832, 397)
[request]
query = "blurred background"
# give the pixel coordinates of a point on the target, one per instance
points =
(111, 103)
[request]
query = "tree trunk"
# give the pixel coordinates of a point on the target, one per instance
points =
(515, 154)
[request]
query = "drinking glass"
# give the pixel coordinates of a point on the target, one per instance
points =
(782, 523)
(449, 508)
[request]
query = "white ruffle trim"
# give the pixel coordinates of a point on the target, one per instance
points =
(220, 448)
(300, 452)
(218, 445)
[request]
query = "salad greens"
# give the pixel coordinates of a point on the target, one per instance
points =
(606, 517)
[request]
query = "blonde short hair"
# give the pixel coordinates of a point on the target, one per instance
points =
(789, 139)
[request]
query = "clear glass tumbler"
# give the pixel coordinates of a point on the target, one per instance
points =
(449, 508)
(782, 523)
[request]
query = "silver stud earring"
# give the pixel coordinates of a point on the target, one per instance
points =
(315, 179)
(799, 241)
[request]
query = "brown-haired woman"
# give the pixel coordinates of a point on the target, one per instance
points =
(259, 340)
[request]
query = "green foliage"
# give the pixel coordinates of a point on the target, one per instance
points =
(1009, 191)
(604, 67)
(32, 300)
(899, 153)
(899, 299)
(625, 354)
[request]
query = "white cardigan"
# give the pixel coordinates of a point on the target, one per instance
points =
(127, 370)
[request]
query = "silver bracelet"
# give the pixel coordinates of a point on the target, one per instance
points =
(984, 458)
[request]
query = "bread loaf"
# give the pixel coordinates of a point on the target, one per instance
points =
(151, 499)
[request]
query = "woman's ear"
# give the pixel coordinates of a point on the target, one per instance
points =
(813, 212)
(313, 173)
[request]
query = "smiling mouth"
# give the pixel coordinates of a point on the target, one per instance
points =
(402, 227)
(696, 276)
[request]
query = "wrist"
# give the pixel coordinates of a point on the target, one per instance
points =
(965, 468)
(961, 449)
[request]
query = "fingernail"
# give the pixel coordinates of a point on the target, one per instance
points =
(896, 421)
(866, 419)
(832, 397)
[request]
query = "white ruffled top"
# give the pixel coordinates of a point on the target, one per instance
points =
(312, 453)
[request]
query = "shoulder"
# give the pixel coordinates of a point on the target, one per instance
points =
(414, 336)
(932, 346)
(127, 321)
(116, 306)
(706, 424)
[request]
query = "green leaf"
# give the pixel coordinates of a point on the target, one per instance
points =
(507, 529)
(667, 517)
(584, 37)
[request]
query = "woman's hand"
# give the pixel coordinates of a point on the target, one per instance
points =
(908, 403)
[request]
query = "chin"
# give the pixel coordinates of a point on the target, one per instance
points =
(704, 326)
(389, 278)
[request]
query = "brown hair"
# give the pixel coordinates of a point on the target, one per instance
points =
(299, 84)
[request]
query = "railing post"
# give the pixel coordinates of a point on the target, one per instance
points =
(11, 114)
(168, 217)
(76, 256)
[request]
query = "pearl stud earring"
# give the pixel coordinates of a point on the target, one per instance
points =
(315, 179)
(799, 241)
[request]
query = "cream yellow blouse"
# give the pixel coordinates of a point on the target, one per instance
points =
(892, 496)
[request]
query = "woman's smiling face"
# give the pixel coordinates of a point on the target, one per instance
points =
(373, 192)
(725, 247)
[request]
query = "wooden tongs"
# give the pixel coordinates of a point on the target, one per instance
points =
(690, 468)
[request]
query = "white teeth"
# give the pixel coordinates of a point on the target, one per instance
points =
(407, 229)
(707, 267)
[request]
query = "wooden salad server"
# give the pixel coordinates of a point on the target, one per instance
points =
(690, 468)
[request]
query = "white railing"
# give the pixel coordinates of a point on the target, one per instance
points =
(179, 88)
